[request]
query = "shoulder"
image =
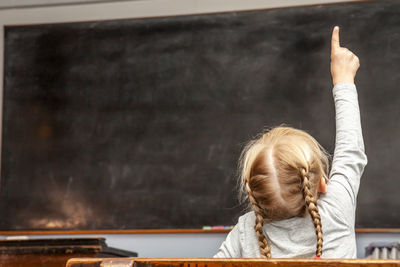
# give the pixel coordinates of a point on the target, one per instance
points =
(248, 237)
(247, 220)
(244, 229)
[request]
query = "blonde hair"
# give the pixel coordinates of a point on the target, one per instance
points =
(280, 174)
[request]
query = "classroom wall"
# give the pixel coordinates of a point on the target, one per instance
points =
(8, 4)
(31, 3)
(193, 245)
(148, 245)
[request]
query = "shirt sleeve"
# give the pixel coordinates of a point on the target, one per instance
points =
(349, 157)
(230, 248)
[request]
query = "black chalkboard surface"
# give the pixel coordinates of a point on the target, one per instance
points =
(138, 124)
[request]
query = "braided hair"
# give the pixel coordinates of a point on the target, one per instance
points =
(265, 248)
(280, 174)
(312, 207)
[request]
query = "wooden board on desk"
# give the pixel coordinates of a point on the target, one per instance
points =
(149, 262)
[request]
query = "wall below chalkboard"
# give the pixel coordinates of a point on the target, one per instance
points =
(194, 245)
(188, 118)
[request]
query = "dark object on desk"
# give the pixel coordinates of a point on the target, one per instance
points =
(55, 252)
(138, 124)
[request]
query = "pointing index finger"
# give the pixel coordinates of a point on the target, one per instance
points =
(335, 38)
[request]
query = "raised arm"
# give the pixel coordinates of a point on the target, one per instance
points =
(349, 157)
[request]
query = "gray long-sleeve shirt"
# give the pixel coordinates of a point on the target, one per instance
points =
(295, 237)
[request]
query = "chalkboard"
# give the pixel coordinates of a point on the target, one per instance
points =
(138, 124)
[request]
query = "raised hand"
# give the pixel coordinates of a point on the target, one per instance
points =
(344, 64)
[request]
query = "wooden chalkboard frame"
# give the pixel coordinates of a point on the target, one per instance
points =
(132, 10)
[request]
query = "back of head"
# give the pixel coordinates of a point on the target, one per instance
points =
(280, 174)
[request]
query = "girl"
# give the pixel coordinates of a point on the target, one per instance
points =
(283, 172)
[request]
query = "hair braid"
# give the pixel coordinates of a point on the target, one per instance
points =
(311, 203)
(265, 248)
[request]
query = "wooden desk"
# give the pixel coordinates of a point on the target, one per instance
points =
(164, 262)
